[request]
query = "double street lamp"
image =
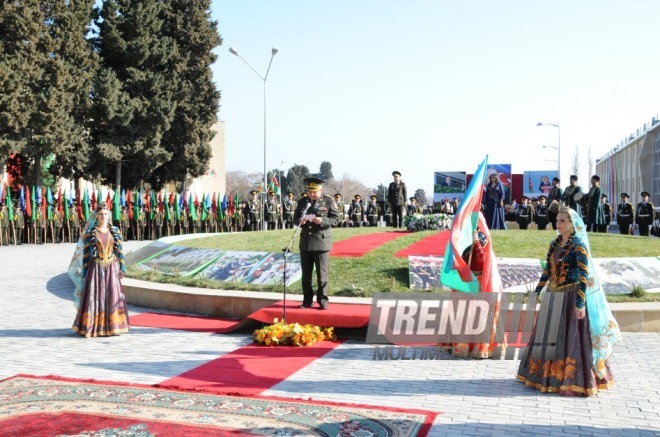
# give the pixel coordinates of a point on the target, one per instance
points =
(558, 148)
(273, 52)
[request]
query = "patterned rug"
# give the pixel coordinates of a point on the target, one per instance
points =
(37, 406)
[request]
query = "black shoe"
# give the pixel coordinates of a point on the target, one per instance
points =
(305, 305)
(323, 306)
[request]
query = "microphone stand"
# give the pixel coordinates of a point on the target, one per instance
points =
(287, 253)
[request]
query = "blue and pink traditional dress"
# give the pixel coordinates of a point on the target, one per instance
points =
(102, 308)
(571, 358)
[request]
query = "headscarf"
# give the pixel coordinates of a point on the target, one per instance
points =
(75, 268)
(604, 330)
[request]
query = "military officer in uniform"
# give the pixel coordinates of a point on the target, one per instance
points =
(373, 211)
(625, 215)
(554, 199)
(56, 224)
(356, 212)
(414, 207)
(644, 214)
(123, 222)
(542, 214)
(74, 224)
(270, 209)
(595, 216)
(524, 213)
(19, 224)
(343, 221)
(315, 218)
(157, 224)
(4, 225)
(396, 196)
(252, 213)
(289, 209)
(39, 225)
(607, 211)
(569, 195)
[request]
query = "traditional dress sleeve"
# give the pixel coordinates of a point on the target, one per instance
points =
(88, 244)
(583, 273)
(119, 253)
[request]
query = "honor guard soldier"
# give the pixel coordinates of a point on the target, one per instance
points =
(240, 223)
(213, 219)
(74, 224)
(388, 214)
(19, 224)
(554, 199)
(252, 213)
(197, 220)
(270, 208)
(414, 207)
(171, 223)
(123, 222)
(396, 196)
(644, 215)
(289, 208)
(373, 211)
(356, 211)
(157, 224)
(341, 208)
(39, 225)
(315, 216)
(569, 195)
(524, 213)
(56, 223)
(595, 216)
(4, 225)
(542, 214)
(607, 211)
(625, 215)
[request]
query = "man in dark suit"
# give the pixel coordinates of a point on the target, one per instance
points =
(569, 195)
(316, 216)
(397, 196)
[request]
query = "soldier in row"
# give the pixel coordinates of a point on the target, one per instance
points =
(644, 215)
(524, 213)
(625, 215)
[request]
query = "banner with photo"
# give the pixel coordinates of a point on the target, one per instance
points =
(537, 183)
(449, 184)
(262, 268)
(179, 260)
(503, 172)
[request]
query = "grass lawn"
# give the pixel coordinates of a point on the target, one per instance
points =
(379, 270)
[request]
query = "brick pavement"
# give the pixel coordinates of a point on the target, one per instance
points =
(475, 397)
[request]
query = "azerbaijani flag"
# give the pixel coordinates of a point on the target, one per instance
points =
(456, 273)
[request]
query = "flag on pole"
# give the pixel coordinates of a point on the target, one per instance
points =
(10, 209)
(456, 272)
(93, 200)
(21, 200)
(36, 191)
(85, 205)
(49, 196)
(65, 207)
(28, 204)
(34, 202)
(116, 210)
(275, 185)
(177, 207)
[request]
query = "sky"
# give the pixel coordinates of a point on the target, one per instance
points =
(425, 86)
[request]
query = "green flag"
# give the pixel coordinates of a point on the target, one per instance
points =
(166, 204)
(136, 206)
(34, 203)
(85, 206)
(116, 211)
(177, 207)
(10, 208)
(65, 206)
(191, 207)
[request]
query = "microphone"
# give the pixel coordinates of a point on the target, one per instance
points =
(309, 205)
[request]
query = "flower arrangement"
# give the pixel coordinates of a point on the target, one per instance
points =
(281, 334)
(429, 222)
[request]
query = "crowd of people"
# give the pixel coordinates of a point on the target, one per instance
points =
(592, 205)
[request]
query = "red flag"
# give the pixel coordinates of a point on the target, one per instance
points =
(108, 201)
(214, 204)
(129, 203)
(28, 205)
(160, 202)
(59, 204)
(230, 210)
(171, 202)
(93, 200)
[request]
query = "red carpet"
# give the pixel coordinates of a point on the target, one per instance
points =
(431, 245)
(362, 244)
(184, 322)
(338, 315)
(249, 370)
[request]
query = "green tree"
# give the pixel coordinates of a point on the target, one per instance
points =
(295, 179)
(325, 171)
(195, 35)
(134, 98)
(420, 195)
(41, 45)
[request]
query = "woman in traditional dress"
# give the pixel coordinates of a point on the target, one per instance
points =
(102, 309)
(494, 195)
(575, 362)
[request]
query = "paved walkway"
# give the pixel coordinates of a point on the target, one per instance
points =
(475, 397)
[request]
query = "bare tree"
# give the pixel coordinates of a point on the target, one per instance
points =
(241, 183)
(590, 157)
(575, 165)
(347, 187)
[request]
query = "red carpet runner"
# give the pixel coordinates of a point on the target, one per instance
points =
(184, 322)
(249, 370)
(362, 244)
(431, 245)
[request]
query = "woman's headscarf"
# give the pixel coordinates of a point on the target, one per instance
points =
(605, 332)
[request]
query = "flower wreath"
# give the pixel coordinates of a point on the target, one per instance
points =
(281, 334)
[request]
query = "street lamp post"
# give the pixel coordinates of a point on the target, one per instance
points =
(552, 147)
(273, 52)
